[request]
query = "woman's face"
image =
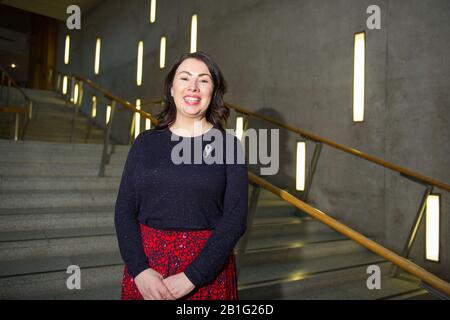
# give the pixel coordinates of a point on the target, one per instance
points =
(192, 88)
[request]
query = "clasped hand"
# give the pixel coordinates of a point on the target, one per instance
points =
(152, 285)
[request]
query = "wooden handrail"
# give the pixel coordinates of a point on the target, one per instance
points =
(344, 148)
(378, 249)
(122, 102)
(13, 110)
(13, 82)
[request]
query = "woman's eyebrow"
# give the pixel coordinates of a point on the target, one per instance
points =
(201, 74)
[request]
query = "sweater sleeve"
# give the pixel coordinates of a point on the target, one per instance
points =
(230, 227)
(125, 218)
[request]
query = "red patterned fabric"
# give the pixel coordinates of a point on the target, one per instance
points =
(169, 252)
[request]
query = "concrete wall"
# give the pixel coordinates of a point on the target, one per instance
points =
(293, 60)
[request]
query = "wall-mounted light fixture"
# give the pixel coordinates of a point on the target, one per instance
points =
(432, 228)
(301, 166)
(137, 125)
(94, 107)
(239, 127)
(108, 113)
(152, 11)
(194, 33)
(97, 56)
(66, 50)
(140, 58)
(162, 53)
(358, 76)
(64, 87)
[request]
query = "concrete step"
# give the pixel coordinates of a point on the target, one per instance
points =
(58, 169)
(65, 140)
(32, 183)
(44, 146)
(23, 219)
(357, 290)
(46, 278)
(297, 249)
(47, 243)
(52, 198)
(280, 272)
(27, 157)
(279, 227)
(316, 282)
(276, 209)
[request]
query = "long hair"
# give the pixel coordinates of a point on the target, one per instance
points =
(217, 113)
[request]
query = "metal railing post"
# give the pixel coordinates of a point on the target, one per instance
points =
(16, 128)
(105, 155)
(413, 231)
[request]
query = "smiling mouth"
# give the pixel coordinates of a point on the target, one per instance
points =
(192, 101)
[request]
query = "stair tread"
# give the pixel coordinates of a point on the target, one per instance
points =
(46, 234)
(357, 289)
(60, 263)
(284, 270)
(58, 210)
(30, 193)
(293, 241)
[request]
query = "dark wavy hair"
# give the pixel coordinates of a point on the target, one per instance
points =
(217, 113)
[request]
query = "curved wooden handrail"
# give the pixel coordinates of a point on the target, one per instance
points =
(344, 148)
(378, 249)
(124, 103)
(13, 82)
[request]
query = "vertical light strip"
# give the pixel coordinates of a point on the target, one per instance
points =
(66, 50)
(148, 124)
(194, 33)
(152, 11)
(301, 165)
(358, 77)
(137, 125)
(140, 57)
(75, 94)
(94, 107)
(108, 113)
(162, 53)
(64, 88)
(432, 228)
(239, 127)
(97, 56)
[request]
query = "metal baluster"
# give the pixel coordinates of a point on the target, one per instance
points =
(105, 155)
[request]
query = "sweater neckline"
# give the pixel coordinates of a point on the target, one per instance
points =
(170, 132)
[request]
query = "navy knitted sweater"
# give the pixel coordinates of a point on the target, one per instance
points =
(162, 194)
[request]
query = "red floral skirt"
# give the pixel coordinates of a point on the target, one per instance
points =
(169, 252)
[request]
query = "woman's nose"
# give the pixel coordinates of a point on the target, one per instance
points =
(193, 86)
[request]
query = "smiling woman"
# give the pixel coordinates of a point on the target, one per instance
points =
(177, 224)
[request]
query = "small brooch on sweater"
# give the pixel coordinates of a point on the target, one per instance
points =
(207, 151)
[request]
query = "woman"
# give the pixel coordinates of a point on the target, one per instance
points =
(178, 222)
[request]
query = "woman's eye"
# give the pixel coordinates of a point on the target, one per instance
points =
(205, 81)
(183, 78)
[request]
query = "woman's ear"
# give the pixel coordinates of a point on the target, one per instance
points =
(171, 92)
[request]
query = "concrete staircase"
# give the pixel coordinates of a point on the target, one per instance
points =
(56, 212)
(59, 213)
(52, 120)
